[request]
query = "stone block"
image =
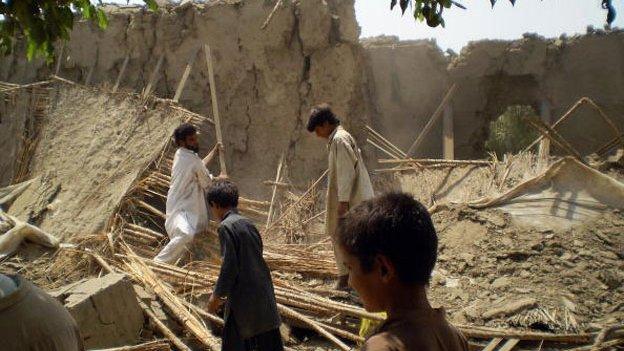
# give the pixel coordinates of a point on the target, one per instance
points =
(106, 310)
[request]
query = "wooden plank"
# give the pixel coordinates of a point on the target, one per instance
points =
(492, 344)
(510, 344)
(154, 76)
(544, 146)
(215, 106)
(436, 115)
(278, 176)
(59, 60)
(448, 144)
(121, 73)
(185, 75)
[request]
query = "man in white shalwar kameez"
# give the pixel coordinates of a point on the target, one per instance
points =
(348, 180)
(186, 213)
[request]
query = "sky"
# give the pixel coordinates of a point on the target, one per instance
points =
(549, 18)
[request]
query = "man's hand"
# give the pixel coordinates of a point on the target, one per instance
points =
(214, 304)
(217, 148)
(343, 208)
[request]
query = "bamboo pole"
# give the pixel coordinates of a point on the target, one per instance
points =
(153, 77)
(293, 205)
(278, 176)
(60, 59)
(448, 137)
(555, 137)
(432, 120)
(381, 137)
(380, 148)
(215, 106)
(124, 65)
(163, 328)
(158, 345)
(185, 75)
(302, 318)
(565, 116)
(430, 160)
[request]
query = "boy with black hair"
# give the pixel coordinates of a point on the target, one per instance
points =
(348, 181)
(244, 284)
(390, 248)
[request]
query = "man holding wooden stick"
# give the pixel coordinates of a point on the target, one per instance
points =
(187, 214)
(348, 180)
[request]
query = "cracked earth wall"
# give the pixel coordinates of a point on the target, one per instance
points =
(410, 78)
(267, 80)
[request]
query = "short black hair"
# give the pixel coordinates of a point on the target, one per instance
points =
(320, 114)
(396, 226)
(183, 130)
(222, 193)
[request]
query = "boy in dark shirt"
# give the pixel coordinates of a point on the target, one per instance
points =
(390, 248)
(244, 284)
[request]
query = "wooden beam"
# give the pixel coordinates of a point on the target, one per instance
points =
(436, 115)
(510, 344)
(492, 344)
(121, 73)
(544, 146)
(153, 77)
(185, 75)
(278, 176)
(448, 144)
(59, 59)
(215, 106)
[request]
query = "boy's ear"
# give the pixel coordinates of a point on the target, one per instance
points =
(385, 267)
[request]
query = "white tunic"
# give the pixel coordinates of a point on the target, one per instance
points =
(186, 212)
(348, 181)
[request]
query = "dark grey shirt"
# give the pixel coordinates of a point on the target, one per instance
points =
(245, 278)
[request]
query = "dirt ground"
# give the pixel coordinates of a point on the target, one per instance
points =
(572, 280)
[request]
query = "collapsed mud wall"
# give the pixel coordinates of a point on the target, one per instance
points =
(407, 82)
(266, 80)
(548, 74)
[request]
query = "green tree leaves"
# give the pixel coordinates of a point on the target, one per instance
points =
(43, 22)
(431, 10)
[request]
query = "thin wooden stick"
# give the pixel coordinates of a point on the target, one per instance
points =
(293, 205)
(60, 59)
(381, 137)
(555, 137)
(153, 77)
(121, 73)
(432, 120)
(278, 176)
(430, 160)
(278, 4)
(215, 106)
(300, 317)
(158, 345)
(163, 328)
(185, 75)
(379, 147)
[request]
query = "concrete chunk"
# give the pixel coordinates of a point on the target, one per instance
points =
(106, 310)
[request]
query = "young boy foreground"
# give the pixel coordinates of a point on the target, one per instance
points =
(390, 248)
(244, 283)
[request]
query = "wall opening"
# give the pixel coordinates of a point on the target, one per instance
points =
(509, 132)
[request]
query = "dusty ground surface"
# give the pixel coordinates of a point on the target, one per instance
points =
(575, 278)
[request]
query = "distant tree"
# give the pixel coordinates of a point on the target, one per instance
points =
(431, 11)
(43, 22)
(509, 133)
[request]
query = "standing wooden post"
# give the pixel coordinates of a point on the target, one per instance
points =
(544, 146)
(59, 60)
(121, 73)
(154, 76)
(448, 145)
(277, 179)
(90, 75)
(185, 75)
(215, 107)
(432, 120)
